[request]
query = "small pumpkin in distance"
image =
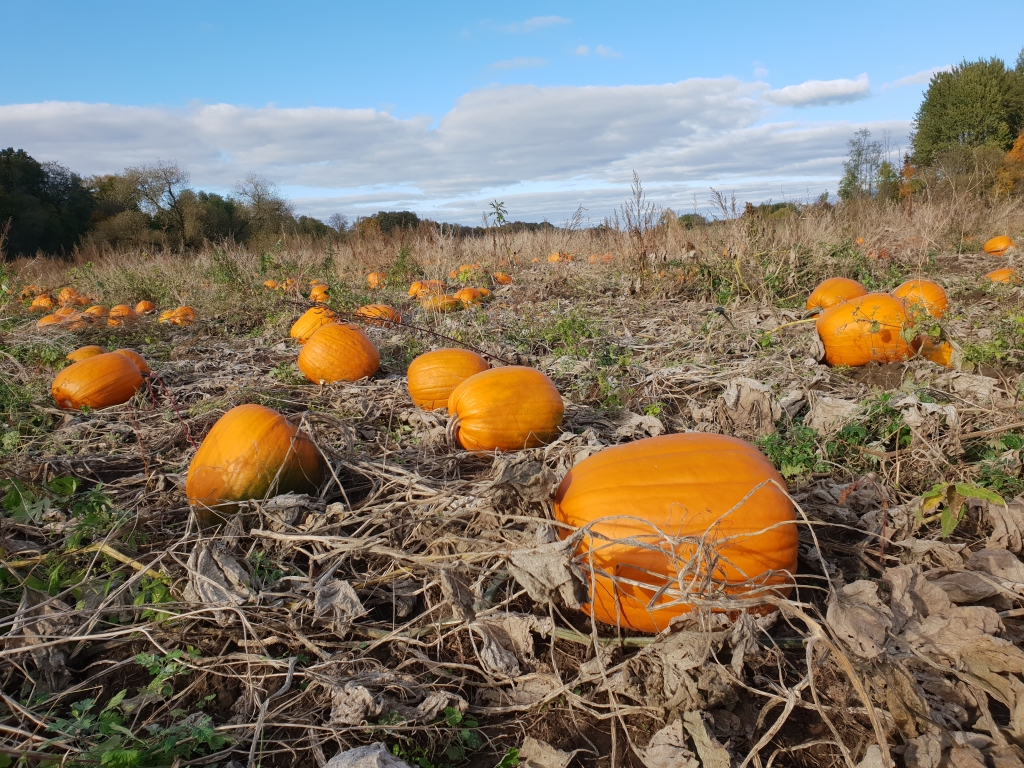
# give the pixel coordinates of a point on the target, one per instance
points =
(865, 329)
(183, 316)
(379, 315)
(97, 310)
(121, 314)
(270, 285)
(46, 320)
(145, 308)
(506, 409)
(319, 294)
(97, 382)
(30, 290)
(84, 352)
(166, 316)
(42, 303)
(689, 489)
(338, 352)
(136, 358)
(67, 296)
(251, 451)
(65, 313)
(310, 322)
(1005, 275)
(925, 296)
(440, 303)
(375, 280)
(469, 296)
(834, 291)
(998, 246)
(433, 376)
(502, 278)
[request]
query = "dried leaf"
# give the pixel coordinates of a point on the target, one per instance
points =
(215, 578)
(370, 756)
(712, 754)
(859, 618)
(668, 749)
(339, 602)
(549, 570)
(539, 754)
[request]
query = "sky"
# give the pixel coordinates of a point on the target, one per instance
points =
(440, 108)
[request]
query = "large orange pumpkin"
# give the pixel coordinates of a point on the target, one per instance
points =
(998, 246)
(924, 296)
(834, 291)
(433, 376)
(136, 358)
(98, 382)
(250, 453)
(868, 328)
(379, 314)
(1005, 275)
(678, 510)
(506, 409)
(310, 322)
(85, 352)
(121, 314)
(338, 353)
(145, 308)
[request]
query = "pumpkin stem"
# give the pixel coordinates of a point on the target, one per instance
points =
(452, 430)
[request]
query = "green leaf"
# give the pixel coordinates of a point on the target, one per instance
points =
(948, 522)
(975, 492)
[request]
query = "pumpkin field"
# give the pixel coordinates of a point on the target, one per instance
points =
(749, 493)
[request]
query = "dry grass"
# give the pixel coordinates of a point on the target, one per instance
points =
(454, 661)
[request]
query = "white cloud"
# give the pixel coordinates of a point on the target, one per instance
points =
(520, 62)
(816, 93)
(760, 72)
(537, 22)
(582, 50)
(547, 148)
(918, 78)
(608, 53)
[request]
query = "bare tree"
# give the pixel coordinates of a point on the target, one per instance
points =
(266, 208)
(161, 192)
(338, 222)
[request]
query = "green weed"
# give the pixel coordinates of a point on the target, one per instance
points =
(795, 451)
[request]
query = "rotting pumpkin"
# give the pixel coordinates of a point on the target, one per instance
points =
(97, 382)
(338, 352)
(250, 453)
(675, 520)
(506, 409)
(433, 376)
(868, 328)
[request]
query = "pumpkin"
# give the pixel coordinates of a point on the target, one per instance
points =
(145, 308)
(554, 258)
(46, 320)
(924, 296)
(867, 328)
(288, 284)
(183, 316)
(834, 291)
(42, 303)
(469, 296)
(166, 316)
(939, 352)
(656, 506)
(485, 294)
(1005, 275)
(310, 322)
(135, 357)
(250, 453)
(81, 301)
(83, 352)
(97, 310)
(98, 382)
(440, 303)
(506, 409)
(319, 294)
(78, 324)
(30, 290)
(375, 280)
(998, 246)
(121, 314)
(338, 353)
(433, 376)
(379, 314)
(270, 285)
(67, 296)
(66, 313)
(422, 288)
(502, 278)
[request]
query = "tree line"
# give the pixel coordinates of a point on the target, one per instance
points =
(970, 125)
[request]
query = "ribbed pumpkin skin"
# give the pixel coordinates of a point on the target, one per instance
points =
(319, 293)
(98, 382)
(998, 246)
(97, 310)
(433, 376)
(834, 291)
(145, 307)
(86, 352)
(506, 409)
(67, 296)
(865, 329)
(927, 295)
(243, 453)
(338, 353)
(42, 303)
(688, 486)
(311, 321)
(379, 314)
(1005, 275)
(135, 357)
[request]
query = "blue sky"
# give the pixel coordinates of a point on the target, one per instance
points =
(440, 107)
